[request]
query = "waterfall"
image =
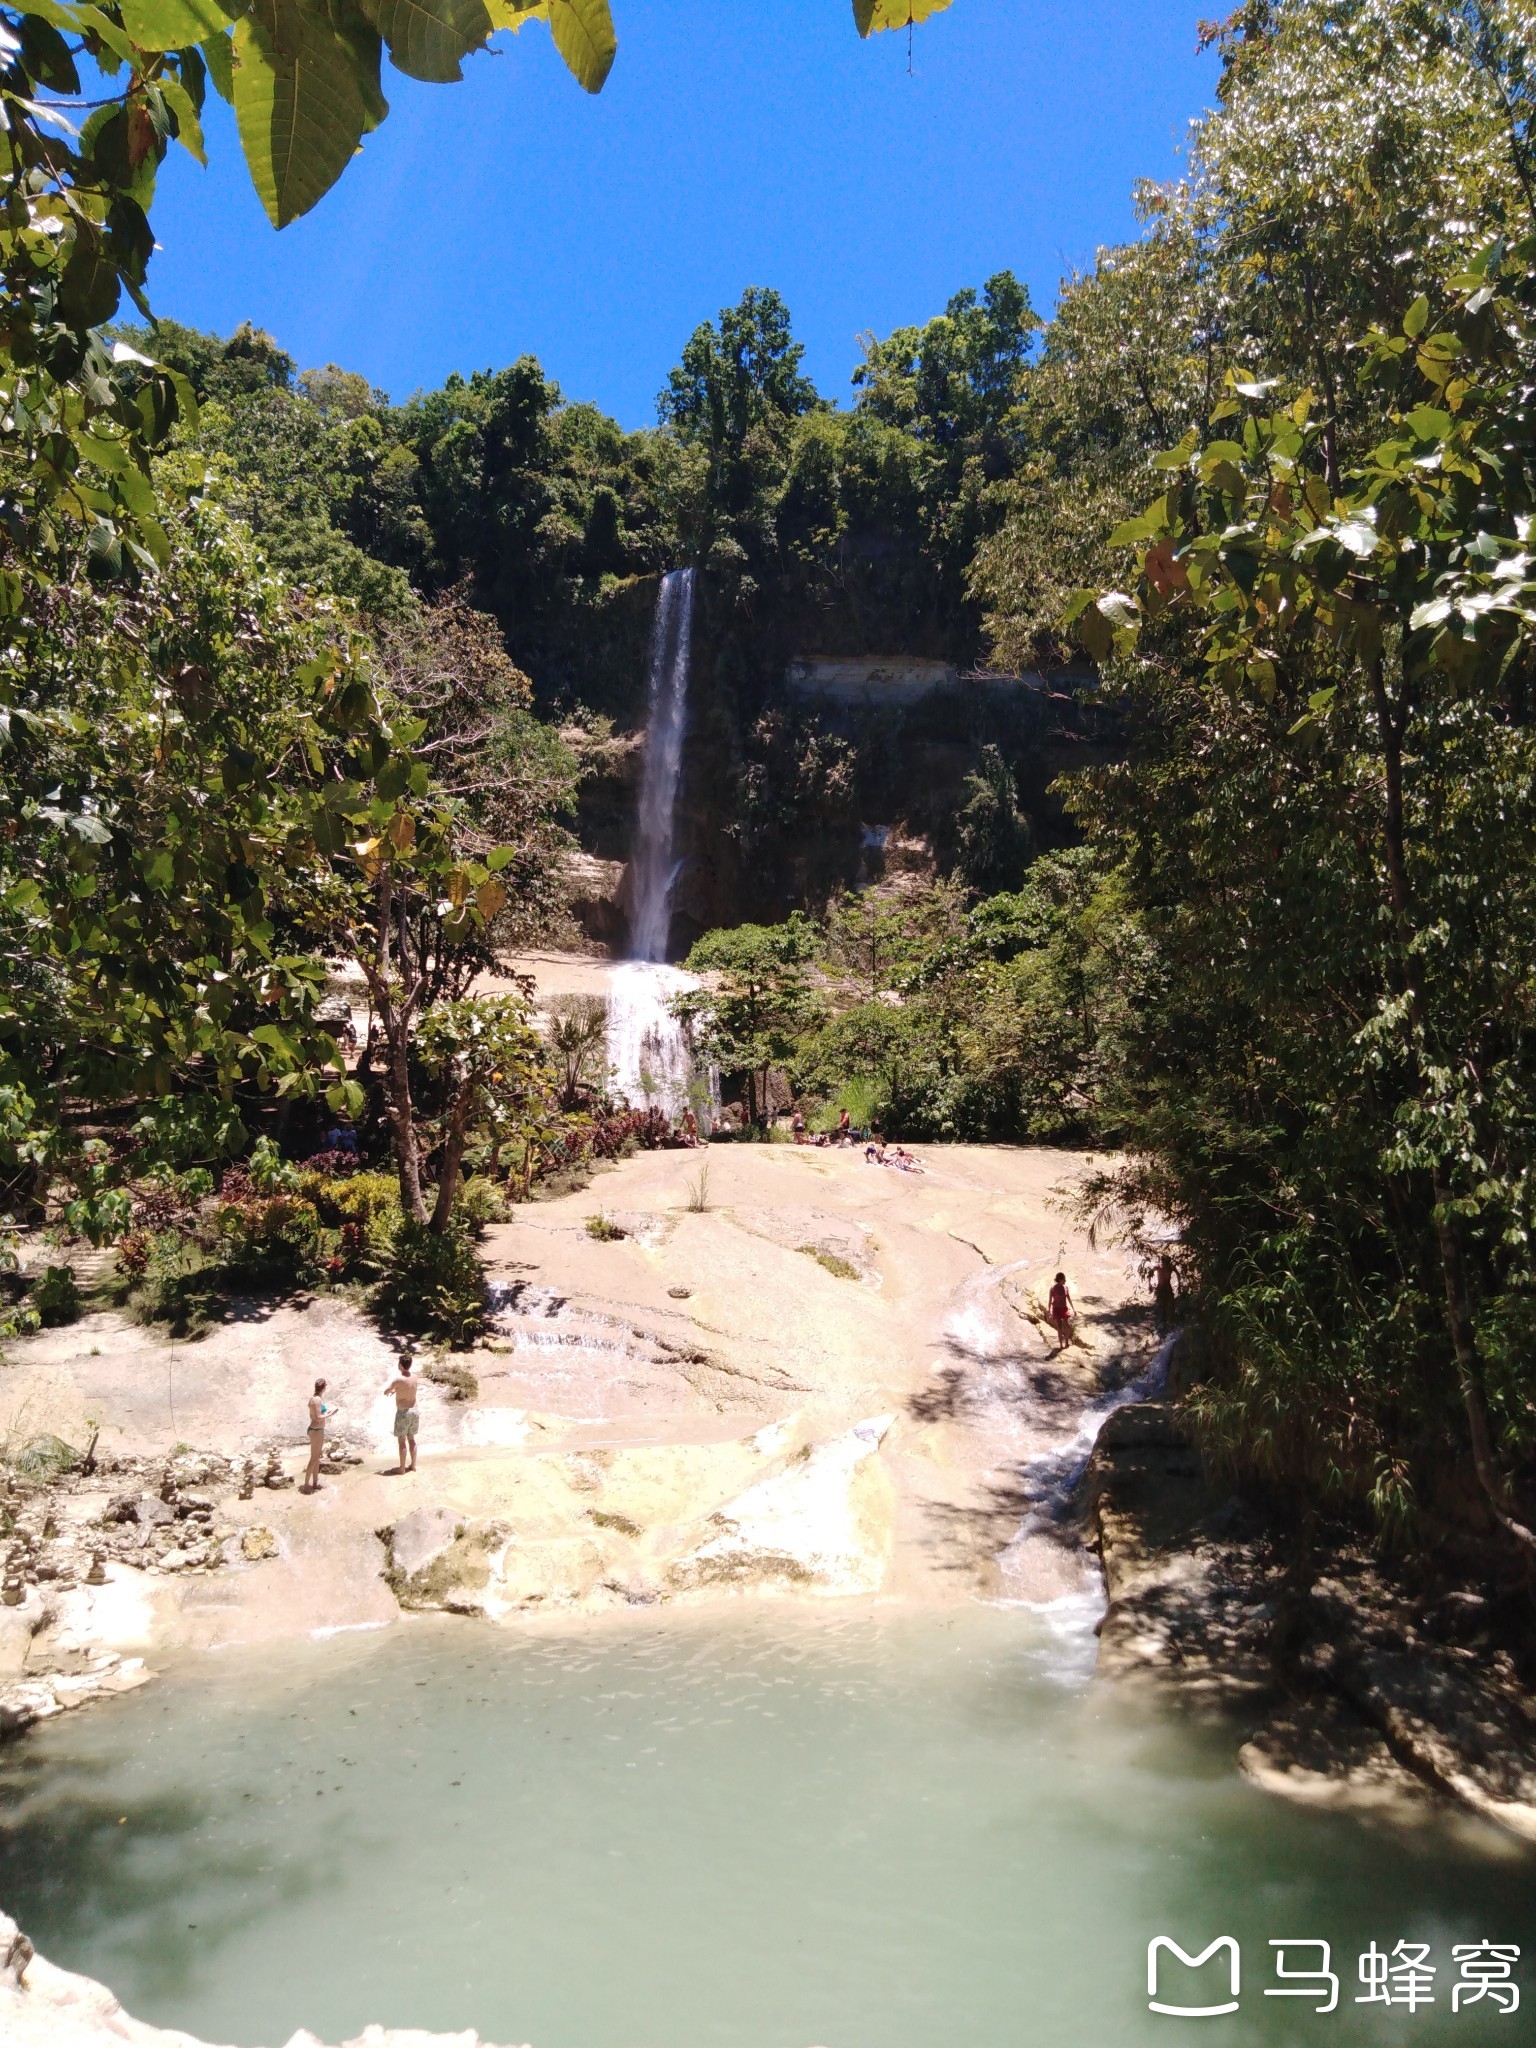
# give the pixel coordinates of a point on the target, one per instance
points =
(646, 1047)
(652, 870)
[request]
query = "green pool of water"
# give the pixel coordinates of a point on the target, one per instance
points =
(854, 1830)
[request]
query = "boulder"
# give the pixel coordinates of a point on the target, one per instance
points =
(823, 1523)
(419, 1537)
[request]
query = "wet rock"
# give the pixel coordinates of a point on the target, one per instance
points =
(1356, 1691)
(15, 1953)
(148, 1512)
(26, 1701)
(417, 1538)
(258, 1543)
(45, 2007)
(1177, 1607)
(822, 1524)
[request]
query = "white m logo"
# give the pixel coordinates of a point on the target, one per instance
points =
(1191, 2012)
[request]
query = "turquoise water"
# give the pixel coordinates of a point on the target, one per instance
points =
(849, 1830)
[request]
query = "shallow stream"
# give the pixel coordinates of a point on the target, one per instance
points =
(862, 1829)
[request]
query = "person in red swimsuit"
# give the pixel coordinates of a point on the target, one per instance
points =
(1060, 1310)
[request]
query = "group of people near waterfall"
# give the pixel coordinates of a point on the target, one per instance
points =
(876, 1150)
(403, 1386)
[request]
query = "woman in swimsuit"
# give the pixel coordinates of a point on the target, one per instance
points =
(1059, 1308)
(318, 1411)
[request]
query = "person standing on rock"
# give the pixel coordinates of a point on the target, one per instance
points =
(403, 1386)
(1060, 1310)
(318, 1411)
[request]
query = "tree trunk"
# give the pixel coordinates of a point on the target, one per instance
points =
(402, 1118)
(453, 1157)
(1463, 1343)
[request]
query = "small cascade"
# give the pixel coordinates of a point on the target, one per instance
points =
(647, 1049)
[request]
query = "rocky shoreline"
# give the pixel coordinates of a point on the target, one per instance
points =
(42, 2006)
(1347, 1686)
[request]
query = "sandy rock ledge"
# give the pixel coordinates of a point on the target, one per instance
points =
(44, 2007)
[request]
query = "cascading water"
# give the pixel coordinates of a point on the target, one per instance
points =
(646, 1046)
(652, 869)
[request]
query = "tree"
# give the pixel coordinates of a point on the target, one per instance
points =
(990, 836)
(1344, 1069)
(757, 1003)
(152, 849)
(577, 1035)
(957, 381)
(1357, 153)
(304, 81)
(741, 374)
(513, 776)
(488, 1062)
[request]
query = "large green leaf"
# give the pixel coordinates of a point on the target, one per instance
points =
(869, 15)
(582, 29)
(173, 24)
(218, 55)
(304, 96)
(427, 38)
(583, 33)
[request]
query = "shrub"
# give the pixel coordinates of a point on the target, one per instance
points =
(46, 1457)
(433, 1282)
(178, 1284)
(605, 1230)
(271, 1173)
(17, 1319)
(331, 1165)
(133, 1254)
(364, 1211)
(365, 1198)
(271, 1239)
(480, 1202)
(55, 1297)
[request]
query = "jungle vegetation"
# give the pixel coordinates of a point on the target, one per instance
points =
(1259, 492)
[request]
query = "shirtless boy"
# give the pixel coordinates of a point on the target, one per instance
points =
(403, 1387)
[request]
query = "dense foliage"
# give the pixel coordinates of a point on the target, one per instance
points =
(1004, 1019)
(1325, 818)
(280, 660)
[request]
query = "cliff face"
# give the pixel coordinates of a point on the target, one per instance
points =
(807, 772)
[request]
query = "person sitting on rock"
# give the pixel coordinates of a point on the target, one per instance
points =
(404, 1388)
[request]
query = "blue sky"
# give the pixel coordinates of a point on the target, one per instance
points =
(737, 142)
